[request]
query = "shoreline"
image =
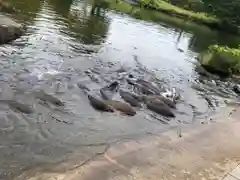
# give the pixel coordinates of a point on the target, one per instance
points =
(199, 18)
(205, 151)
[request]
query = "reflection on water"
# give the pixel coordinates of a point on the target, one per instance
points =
(63, 39)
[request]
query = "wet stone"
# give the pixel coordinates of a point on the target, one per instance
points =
(9, 29)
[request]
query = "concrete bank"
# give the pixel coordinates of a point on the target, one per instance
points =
(208, 151)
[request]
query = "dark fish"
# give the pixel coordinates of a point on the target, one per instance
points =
(108, 91)
(143, 86)
(167, 101)
(160, 108)
(94, 78)
(129, 98)
(113, 86)
(136, 96)
(99, 104)
(50, 98)
(106, 95)
(131, 81)
(144, 90)
(121, 70)
(149, 85)
(20, 106)
(236, 89)
(83, 87)
(121, 106)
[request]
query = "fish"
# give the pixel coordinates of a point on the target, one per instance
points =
(108, 91)
(130, 98)
(160, 108)
(167, 101)
(83, 87)
(144, 90)
(121, 106)
(99, 104)
(47, 97)
(144, 83)
(26, 109)
(148, 85)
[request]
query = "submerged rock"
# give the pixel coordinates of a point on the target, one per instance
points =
(121, 106)
(130, 98)
(99, 104)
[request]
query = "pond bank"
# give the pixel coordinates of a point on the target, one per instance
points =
(203, 152)
(198, 17)
(64, 45)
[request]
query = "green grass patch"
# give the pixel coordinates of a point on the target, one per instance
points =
(177, 11)
(224, 49)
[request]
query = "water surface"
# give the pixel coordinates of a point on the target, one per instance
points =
(65, 38)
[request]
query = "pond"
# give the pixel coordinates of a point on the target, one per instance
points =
(66, 38)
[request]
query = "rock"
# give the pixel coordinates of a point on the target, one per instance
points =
(49, 98)
(121, 106)
(99, 104)
(220, 63)
(205, 73)
(6, 7)
(129, 98)
(9, 29)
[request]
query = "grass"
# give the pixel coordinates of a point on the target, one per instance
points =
(224, 49)
(156, 16)
(165, 7)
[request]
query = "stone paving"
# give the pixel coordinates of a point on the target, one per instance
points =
(234, 174)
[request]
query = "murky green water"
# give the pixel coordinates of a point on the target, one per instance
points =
(66, 37)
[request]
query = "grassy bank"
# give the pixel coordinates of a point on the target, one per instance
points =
(156, 16)
(198, 17)
(177, 11)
